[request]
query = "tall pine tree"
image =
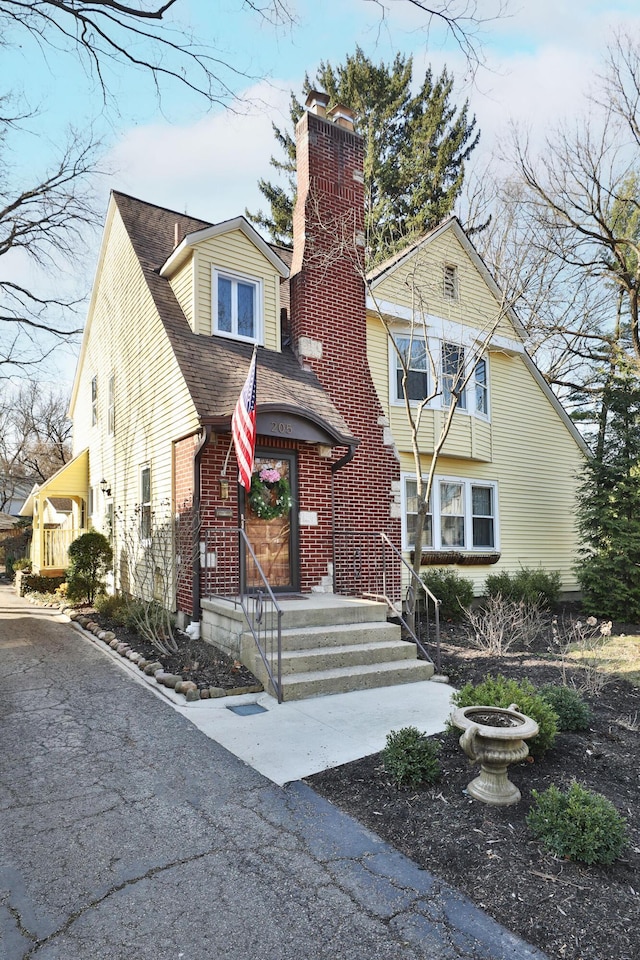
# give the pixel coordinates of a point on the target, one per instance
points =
(415, 150)
(609, 507)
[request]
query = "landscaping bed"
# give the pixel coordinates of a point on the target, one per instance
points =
(212, 671)
(569, 910)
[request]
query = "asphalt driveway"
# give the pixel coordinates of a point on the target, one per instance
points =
(126, 833)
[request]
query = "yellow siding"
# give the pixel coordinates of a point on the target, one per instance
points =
(527, 449)
(152, 404)
(234, 251)
(417, 285)
(182, 286)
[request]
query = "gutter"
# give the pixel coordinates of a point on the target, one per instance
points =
(197, 492)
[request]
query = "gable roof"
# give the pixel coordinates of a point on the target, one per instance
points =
(215, 368)
(182, 251)
(385, 269)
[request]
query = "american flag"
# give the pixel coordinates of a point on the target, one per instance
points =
(243, 426)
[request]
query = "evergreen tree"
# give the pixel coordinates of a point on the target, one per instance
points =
(609, 518)
(415, 150)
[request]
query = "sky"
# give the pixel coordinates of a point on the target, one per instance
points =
(540, 61)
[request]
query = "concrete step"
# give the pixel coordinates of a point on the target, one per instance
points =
(348, 655)
(339, 635)
(299, 686)
(329, 610)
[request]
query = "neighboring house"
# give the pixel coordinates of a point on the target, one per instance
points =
(58, 508)
(177, 307)
(14, 491)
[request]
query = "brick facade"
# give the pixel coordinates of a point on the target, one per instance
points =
(329, 308)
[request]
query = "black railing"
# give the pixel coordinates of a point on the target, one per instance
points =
(221, 578)
(369, 565)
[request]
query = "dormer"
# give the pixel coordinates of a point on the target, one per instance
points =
(226, 279)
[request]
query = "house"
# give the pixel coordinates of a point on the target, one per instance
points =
(178, 306)
(505, 481)
(58, 507)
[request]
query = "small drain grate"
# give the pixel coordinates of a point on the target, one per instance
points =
(247, 709)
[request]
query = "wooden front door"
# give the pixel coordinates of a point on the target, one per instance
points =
(269, 523)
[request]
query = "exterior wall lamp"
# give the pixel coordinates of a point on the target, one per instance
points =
(106, 489)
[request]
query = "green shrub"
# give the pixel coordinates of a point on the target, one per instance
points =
(500, 692)
(411, 758)
(23, 564)
(34, 583)
(573, 713)
(578, 824)
(89, 559)
(532, 586)
(113, 606)
(454, 592)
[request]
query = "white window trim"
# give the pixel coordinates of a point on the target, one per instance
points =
(146, 541)
(468, 483)
(94, 400)
(257, 282)
(434, 350)
(393, 367)
(472, 386)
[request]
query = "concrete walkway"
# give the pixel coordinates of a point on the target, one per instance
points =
(126, 833)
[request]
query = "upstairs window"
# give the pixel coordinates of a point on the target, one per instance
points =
(482, 388)
(414, 357)
(453, 375)
(237, 302)
(450, 282)
(94, 401)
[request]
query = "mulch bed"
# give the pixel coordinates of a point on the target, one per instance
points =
(569, 910)
(196, 660)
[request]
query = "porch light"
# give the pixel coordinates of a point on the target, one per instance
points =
(106, 489)
(224, 488)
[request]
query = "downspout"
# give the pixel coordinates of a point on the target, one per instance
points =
(338, 465)
(197, 490)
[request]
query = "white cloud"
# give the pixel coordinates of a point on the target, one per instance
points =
(209, 169)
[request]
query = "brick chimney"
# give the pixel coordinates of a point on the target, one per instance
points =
(328, 307)
(328, 220)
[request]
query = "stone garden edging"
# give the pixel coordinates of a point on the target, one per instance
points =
(151, 670)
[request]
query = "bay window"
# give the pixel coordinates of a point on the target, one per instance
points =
(453, 375)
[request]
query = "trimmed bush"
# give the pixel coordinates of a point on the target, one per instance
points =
(532, 586)
(500, 692)
(454, 592)
(89, 559)
(573, 713)
(578, 824)
(411, 758)
(115, 607)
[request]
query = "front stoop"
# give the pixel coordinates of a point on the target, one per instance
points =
(337, 645)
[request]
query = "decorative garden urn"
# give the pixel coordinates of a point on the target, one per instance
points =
(494, 738)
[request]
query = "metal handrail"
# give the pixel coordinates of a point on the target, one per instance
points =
(261, 621)
(410, 602)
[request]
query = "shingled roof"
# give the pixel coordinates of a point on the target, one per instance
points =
(214, 368)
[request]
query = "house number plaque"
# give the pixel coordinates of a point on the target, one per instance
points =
(292, 426)
(281, 428)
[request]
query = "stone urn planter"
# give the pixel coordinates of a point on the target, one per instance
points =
(494, 737)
